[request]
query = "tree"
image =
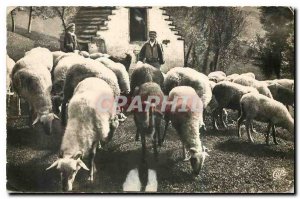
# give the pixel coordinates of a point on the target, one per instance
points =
(276, 48)
(30, 19)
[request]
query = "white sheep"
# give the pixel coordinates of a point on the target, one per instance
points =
(227, 95)
(92, 121)
(261, 86)
(78, 72)
(180, 76)
(286, 83)
(217, 76)
(56, 55)
(59, 76)
(187, 123)
(31, 79)
(282, 94)
(261, 108)
(9, 67)
(231, 77)
(120, 71)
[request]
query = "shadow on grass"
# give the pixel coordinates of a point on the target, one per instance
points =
(255, 150)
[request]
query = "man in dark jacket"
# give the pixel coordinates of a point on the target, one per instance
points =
(70, 42)
(152, 52)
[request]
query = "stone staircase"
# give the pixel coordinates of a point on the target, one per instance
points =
(89, 20)
(171, 24)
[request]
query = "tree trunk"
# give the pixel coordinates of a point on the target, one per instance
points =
(194, 57)
(30, 20)
(13, 25)
(205, 59)
(188, 55)
(216, 59)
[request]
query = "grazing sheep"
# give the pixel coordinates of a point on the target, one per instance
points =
(187, 123)
(145, 73)
(88, 125)
(282, 94)
(217, 76)
(261, 86)
(126, 61)
(59, 76)
(120, 71)
(78, 72)
(34, 85)
(227, 95)
(9, 67)
(148, 118)
(261, 108)
(180, 76)
(286, 83)
(231, 77)
(248, 75)
(31, 79)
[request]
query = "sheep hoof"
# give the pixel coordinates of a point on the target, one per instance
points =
(90, 179)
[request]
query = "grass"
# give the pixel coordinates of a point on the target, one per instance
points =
(234, 165)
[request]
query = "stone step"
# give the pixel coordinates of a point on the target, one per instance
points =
(90, 23)
(92, 15)
(97, 8)
(86, 31)
(87, 27)
(83, 19)
(95, 11)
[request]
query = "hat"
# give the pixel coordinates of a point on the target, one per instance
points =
(152, 33)
(70, 25)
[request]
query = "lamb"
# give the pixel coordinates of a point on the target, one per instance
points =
(88, 126)
(148, 118)
(59, 76)
(180, 76)
(217, 76)
(227, 95)
(187, 123)
(261, 108)
(145, 73)
(250, 81)
(31, 79)
(120, 71)
(9, 67)
(78, 72)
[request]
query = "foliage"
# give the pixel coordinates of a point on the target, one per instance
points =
(275, 51)
(211, 33)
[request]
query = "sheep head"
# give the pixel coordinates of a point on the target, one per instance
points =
(68, 167)
(197, 160)
(46, 120)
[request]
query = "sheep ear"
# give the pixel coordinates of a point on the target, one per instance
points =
(78, 155)
(36, 120)
(53, 165)
(193, 150)
(81, 163)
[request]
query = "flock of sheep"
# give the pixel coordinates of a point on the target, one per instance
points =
(66, 86)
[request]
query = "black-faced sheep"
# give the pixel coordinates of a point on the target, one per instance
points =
(282, 94)
(261, 108)
(186, 118)
(78, 72)
(145, 73)
(227, 95)
(126, 61)
(148, 117)
(91, 121)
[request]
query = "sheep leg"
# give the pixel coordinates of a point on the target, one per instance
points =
(222, 118)
(143, 140)
(63, 113)
(240, 120)
(154, 142)
(137, 136)
(93, 169)
(215, 118)
(274, 134)
(248, 124)
(252, 129)
(167, 121)
(157, 131)
(268, 133)
(185, 158)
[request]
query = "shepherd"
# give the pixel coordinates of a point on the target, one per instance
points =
(70, 41)
(152, 52)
